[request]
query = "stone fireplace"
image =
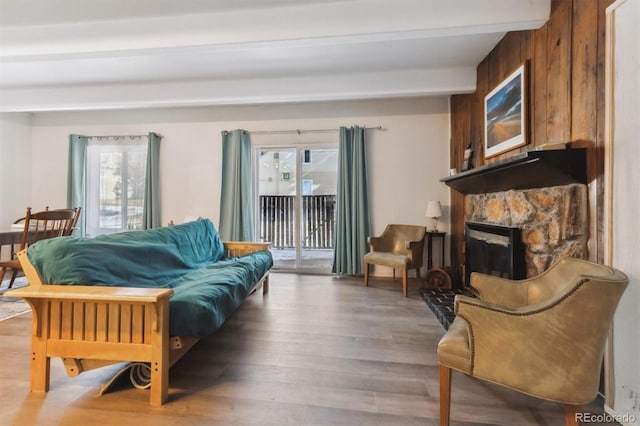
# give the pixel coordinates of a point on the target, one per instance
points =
(553, 220)
(540, 195)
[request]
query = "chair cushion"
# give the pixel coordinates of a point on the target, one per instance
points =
(391, 260)
(453, 349)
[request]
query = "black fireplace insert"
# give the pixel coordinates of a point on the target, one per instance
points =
(494, 250)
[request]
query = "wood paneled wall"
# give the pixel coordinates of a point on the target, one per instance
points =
(565, 60)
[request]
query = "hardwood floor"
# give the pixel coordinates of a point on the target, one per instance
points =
(314, 351)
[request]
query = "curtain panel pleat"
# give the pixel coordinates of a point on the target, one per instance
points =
(237, 198)
(352, 204)
(76, 178)
(151, 217)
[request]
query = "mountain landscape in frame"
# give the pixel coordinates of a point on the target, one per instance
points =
(505, 118)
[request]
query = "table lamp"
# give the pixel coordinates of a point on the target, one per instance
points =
(434, 211)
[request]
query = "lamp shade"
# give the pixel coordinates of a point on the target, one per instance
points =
(433, 209)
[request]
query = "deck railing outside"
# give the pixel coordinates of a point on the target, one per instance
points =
(277, 221)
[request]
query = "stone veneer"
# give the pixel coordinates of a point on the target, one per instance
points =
(553, 220)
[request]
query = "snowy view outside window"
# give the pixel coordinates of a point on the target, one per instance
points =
(116, 169)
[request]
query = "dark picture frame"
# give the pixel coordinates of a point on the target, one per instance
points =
(505, 114)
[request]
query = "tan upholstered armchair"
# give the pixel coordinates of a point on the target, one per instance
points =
(399, 247)
(544, 336)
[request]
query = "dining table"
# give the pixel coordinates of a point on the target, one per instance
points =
(10, 235)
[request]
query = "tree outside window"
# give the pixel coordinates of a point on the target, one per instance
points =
(116, 172)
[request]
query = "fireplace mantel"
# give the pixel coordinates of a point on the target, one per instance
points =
(531, 169)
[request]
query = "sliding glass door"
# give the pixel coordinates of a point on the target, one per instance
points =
(318, 183)
(277, 194)
(296, 205)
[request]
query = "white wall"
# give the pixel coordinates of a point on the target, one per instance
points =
(626, 228)
(405, 160)
(15, 167)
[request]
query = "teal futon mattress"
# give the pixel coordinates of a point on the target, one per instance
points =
(187, 258)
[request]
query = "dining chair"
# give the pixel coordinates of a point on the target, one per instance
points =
(544, 336)
(20, 222)
(74, 224)
(40, 226)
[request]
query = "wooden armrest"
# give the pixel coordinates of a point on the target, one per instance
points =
(91, 293)
(239, 248)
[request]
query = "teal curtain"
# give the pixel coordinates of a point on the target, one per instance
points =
(76, 178)
(352, 205)
(151, 209)
(236, 200)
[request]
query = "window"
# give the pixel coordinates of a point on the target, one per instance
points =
(306, 157)
(307, 186)
(116, 168)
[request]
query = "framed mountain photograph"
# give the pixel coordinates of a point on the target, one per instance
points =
(505, 109)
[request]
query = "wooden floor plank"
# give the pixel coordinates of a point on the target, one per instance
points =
(314, 351)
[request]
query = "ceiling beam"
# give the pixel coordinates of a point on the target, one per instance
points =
(373, 85)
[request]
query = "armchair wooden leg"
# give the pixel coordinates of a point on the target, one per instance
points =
(366, 274)
(445, 395)
(570, 415)
(404, 282)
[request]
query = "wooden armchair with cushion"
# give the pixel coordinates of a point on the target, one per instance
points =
(399, 247)
(544, 337)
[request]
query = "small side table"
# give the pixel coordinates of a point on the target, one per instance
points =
(430, 236)
(436, 277)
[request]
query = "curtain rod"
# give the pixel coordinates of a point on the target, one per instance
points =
(117, 136)
(299, 131)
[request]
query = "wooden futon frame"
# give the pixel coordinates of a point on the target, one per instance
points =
(94, 326)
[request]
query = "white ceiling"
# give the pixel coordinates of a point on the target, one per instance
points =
(97, 54)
